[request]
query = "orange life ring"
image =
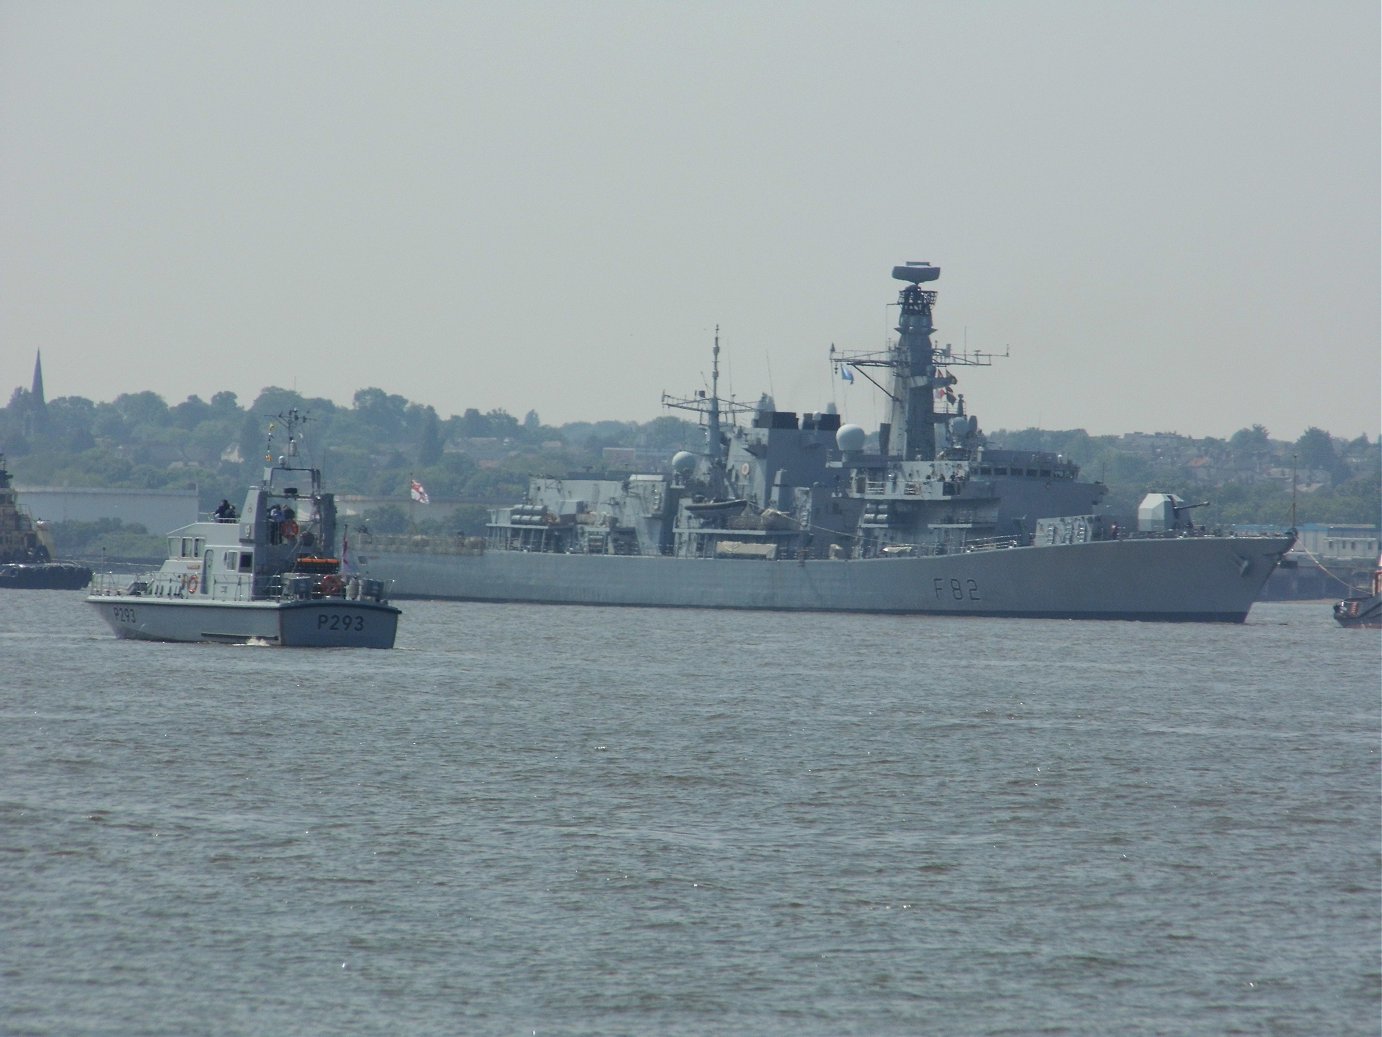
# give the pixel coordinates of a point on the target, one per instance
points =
(332, 585)
(192, 584)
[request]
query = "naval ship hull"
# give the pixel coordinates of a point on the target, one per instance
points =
(1173, 579)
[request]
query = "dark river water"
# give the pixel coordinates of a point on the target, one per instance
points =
(538, 820)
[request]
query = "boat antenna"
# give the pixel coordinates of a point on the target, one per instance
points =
(713, 423)
(1293, 492)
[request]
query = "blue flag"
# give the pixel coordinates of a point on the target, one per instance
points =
(847, 375)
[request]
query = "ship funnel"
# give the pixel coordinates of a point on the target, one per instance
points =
(916, 272)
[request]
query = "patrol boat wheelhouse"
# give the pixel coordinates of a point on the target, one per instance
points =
(269, 573)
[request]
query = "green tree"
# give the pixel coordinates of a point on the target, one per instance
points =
(226, 404)
(670, 433)
(502, 424)
(71, 420)
(430, 442)
(382, 413)
(142, 410)
(1315, 450)
(191, 412)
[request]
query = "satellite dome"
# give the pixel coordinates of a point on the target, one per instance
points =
(850, 438)
(683, 461)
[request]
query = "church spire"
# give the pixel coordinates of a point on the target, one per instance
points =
(37, 391)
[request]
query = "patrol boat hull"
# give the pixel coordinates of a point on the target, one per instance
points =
(1192, 579)
(320, 623)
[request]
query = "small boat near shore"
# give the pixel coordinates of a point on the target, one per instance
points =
(26, 549)
(1363, 610)
(269, 573)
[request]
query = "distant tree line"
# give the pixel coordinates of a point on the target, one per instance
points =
(1248, 478)
(371, 448)
(374, 446)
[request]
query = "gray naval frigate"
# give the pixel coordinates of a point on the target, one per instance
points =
(799, 512)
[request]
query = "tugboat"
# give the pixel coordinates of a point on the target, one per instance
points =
(1364, 610)
(267, 574)
(800, 512)
(26, 548)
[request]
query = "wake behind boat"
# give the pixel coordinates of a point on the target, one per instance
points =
(269, 573)
(803, 513)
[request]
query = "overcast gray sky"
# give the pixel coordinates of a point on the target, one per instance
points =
(1168, 212)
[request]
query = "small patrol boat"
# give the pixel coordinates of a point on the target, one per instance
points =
(1364, 610)
(269, 573)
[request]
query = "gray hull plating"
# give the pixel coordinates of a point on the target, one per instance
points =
(324, 623)
(1200, 579)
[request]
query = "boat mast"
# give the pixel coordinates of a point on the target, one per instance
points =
(712, 410)
(915, 378)
(716, 452)
(919, 375)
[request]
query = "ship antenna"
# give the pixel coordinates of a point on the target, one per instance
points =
(713, 431)
(1293, 492)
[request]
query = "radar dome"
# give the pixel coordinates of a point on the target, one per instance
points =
(683, 461)
(850, 438)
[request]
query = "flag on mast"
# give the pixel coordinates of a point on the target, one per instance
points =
(419, 493)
